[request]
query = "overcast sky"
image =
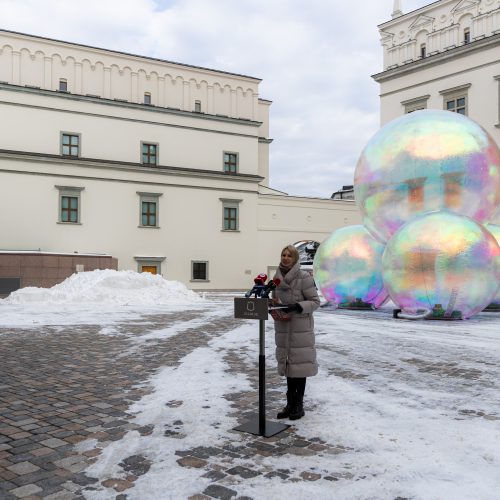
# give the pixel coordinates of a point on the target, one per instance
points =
(315, 59)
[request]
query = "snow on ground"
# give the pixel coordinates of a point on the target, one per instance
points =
(414, 404)
(107, 295)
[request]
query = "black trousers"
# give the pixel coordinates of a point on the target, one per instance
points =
(296, 386)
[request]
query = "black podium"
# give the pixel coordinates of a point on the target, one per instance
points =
(257, 308)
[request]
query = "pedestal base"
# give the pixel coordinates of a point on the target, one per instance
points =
(270, 428)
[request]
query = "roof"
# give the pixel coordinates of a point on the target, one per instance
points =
(131, 55)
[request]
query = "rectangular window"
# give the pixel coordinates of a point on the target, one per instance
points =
(456, 99)
(148, 213)
(457, 105)
(230, 218)
(199, 271)
(422, 50)
(69, 204)
(149, 154)
(230, 163)
(147, 98)
(230, 214)
(197, 106)
(69, 209)
(70, 145)
(149, 204)
(63, 85)
(467, 35)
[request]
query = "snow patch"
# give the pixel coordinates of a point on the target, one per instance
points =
(108, 287)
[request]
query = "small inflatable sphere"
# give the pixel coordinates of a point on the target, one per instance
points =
(426, 161)
(442, 262)
(347, 268)
(494, 229)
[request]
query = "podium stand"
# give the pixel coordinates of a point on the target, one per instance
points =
(257, 309)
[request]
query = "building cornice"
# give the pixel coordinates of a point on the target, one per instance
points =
(397, 20)
(127, 166)
(341, 204)
(126, 54)
(439, 58)
(127, 104)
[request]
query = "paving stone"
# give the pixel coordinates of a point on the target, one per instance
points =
(117, 484)
(214, 475)
(23, 468)
(53, 443)
(244, 472)
(61, 495)
(310, 476)
(24, 491)
(189, 461)
(221, 492)
(42, 452)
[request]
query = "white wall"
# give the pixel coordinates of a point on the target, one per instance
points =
(191, 181)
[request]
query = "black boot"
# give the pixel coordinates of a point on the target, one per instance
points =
(297, 410)
(285, 412)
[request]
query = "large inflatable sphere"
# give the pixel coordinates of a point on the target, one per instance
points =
(347, 268)
(426, 161)
(442, 262)
(494, 229)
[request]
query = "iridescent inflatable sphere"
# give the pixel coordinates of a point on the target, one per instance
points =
(494, 229)
(425, 161)
(347, 268)
(442, 262)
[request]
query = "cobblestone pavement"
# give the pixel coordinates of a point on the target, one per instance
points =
(63, 385)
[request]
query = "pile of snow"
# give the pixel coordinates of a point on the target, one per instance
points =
(108, 287)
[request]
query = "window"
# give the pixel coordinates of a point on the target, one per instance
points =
(149, 264)
(149, 153)
(63, 85)
(197, 106)
(199, 270)
(415, 104)
(423, 50)
(230, 214)
(147, 98)
(467, 35)
(148, 213)
(69, 204)
(457, 105)
(70, 145)
(230, 163)
(455, 99)
(149, 209)
(230, 218)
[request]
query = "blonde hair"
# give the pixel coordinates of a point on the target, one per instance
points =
(293, 251)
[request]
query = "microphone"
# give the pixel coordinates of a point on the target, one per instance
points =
(260, 279)
(258, 287)
(272, 285)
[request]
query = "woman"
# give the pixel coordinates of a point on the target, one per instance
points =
(294, 330)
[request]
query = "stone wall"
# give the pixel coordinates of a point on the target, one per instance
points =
(46, 270)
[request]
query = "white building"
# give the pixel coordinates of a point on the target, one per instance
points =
(161, 165)
(445, 55)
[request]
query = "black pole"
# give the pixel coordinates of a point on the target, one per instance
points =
(257, 308)
(262, 378)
